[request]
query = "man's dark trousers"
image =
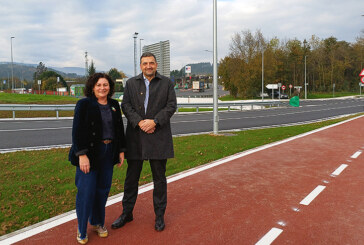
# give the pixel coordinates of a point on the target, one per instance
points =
(158, 168)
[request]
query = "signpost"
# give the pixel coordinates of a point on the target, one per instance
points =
(290, 89)
(272, 87)
(39, 83)
(361, 84)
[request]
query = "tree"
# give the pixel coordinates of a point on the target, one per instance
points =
(49, 81)
(91, 69)
(115, 74)
(39, 70)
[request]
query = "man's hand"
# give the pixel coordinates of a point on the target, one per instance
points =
(147, 126)
(121, 158)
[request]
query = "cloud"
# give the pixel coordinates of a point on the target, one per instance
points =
(59, 32)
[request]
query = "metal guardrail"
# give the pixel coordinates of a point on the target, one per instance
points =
(71, 107)
(235, 105)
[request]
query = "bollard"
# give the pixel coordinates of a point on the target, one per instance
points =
(14, 115)
(57, 114)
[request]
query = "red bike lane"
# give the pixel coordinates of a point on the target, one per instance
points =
(263, 196)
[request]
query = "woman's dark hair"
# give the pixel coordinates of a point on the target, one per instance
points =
(92, 80)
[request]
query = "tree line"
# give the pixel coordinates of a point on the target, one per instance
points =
(50, 80)
(329, 63)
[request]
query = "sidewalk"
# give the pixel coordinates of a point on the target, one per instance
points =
(303, 190)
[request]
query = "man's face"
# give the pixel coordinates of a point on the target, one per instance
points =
(148, 65)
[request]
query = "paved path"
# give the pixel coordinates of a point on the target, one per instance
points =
(306, 190)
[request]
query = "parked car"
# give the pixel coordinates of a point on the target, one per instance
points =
(279, 95)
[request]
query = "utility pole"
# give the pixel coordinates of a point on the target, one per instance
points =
(12, 71)
(216, 116)
(86, 64)
(135, 52)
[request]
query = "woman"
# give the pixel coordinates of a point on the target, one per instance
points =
(98, 142)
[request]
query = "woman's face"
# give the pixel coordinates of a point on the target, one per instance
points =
(101, 88)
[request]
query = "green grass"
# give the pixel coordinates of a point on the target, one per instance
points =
(309, 96)
(38, 185)
(329, 95)
(7, 98)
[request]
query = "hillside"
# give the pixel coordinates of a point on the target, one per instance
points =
(26, 71)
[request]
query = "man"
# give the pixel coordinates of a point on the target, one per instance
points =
(149, 102)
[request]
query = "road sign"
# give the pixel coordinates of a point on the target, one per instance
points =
(187, 69)
(361, 73)
(283, 87)
(290, 86)
(4, 81)
(272, 86)
(361, 84)
(39, 82)
(362, 79)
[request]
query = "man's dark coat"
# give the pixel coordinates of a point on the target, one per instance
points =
(161, 106)
(87, 131)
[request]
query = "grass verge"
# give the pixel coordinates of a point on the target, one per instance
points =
(38, 185)
(7, 98)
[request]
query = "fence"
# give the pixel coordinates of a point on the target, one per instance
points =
(71, 107)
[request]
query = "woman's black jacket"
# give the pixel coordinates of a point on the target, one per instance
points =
(87, 132)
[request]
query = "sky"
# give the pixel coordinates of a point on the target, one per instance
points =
(58, 33)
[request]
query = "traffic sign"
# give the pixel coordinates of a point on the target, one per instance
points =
(361, 73)
(362, 79)
(272, 86)
(283, 87)
(290, 86)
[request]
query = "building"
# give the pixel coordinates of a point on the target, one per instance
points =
(162, 52)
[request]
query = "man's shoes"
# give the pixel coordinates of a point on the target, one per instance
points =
(122, 220)
(159, 223)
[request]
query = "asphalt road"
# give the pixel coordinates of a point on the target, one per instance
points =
(20, 134)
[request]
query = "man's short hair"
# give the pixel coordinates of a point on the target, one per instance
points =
(148, 54)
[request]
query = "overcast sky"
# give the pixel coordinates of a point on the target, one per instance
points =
(59, 32)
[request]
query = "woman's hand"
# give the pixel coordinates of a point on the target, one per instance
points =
(121, 157)
(84, 163)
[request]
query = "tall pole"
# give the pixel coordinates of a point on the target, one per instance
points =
(304, 47)
(12, 72)
(140, 48)
(262, 74)
(135, 52)
(216, 116)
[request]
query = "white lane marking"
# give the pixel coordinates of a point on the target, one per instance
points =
(32, 129)
(310, 197)
(34, 148)
(50, 223)
(356, 154)
(269, 237)
(339, 169)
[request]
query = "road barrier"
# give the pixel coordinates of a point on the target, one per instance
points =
(70, 107)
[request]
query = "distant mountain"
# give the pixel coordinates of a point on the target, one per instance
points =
(26, 71)
(77, 70)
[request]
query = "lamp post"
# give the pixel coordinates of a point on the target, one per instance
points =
(262, 74)
(140, 48)
(304, 46)
(12, 72)
(209, 52)
(135, 53)
(216, 116)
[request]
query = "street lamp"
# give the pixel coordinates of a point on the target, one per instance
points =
(304, 45)
(216, 116)
(12, 72)
(262, 74)
(140, 48)
(135, 53)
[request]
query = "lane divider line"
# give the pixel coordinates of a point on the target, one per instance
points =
(310, 197)
(356, 154)
(339, 169)
(270, 236)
